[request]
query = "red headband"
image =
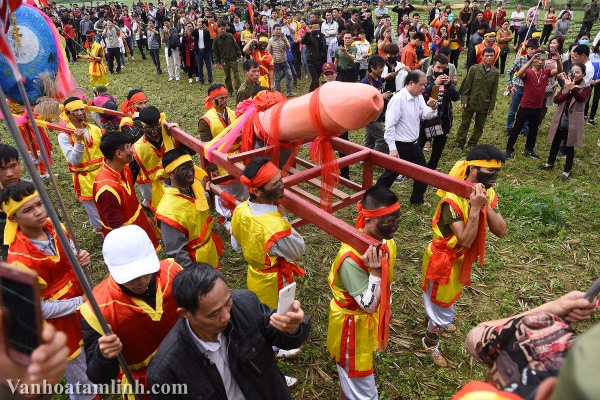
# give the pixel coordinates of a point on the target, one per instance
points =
(213, 94)
(127, 105)
(263, 176)
(380, 212)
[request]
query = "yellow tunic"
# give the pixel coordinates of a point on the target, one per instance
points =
(97, 69)
(85, 172)
(446, 294)
(179, 211)
(348, 323)
(256, 235)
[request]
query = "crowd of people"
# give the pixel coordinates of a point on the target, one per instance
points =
(224, 343)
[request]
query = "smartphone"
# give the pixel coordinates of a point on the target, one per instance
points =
(593, 291)
(20, 303)
(446, 71)
(544, 56)
(435, 90)
(286, 298)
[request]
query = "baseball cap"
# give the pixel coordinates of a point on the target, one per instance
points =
(129, 253)
(533, 43)
(329, 67)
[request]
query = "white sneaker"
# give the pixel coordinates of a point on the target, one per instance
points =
(132, 58)
(170, 79)
(291, 382)
(197, 79)
(177, 79)
(191, 80)
(289, 354)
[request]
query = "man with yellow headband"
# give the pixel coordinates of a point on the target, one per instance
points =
(257, 50)
(217, 117)
(262, 232)
(459, 229)
(82, 151)
(489, 40)
(182, 215)
(148, 151)
(33, 244)
(131, 125)
(359, 312)
(114, 193)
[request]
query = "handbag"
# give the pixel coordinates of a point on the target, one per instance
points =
(505, 50)
(432, 127)
(564, 121)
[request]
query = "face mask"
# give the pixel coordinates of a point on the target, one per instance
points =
(316, 31)
(436, 74)
(485, 178)
(584, 41)
(392, 60)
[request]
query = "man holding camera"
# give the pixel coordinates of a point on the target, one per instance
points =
(257, 50)
(445, 94)
(316, 50)
(111, 37)
(227, 52)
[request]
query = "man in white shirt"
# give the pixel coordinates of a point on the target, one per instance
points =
(402, 121)
(329, 28)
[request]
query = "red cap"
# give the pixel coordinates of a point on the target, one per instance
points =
(329, 67)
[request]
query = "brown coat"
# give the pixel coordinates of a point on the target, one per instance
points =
(576, 101)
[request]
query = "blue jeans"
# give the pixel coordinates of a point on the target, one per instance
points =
(204, 57)
(512, 112)
(281, 70)
(304, 62)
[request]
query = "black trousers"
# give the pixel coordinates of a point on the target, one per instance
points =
(142, 44)
(114, 52)
(525, 114)
(154, 54)
(546, 34)
(315, 72)
(594, 98)
(413, 153)
(296, 58)
(561, 134)
(438, 143)
(346, 75)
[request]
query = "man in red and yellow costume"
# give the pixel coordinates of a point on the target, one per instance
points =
(218, 117)
(114, 193)
(95, 53)
(33, 244)
(257, 50)
(359, 313)
(459, 230)
(182, 215)
(148, 151)
(262, 232)
(82, 151)
(136, 299)
(489, 40)
(131, 125)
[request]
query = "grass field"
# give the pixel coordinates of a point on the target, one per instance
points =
(551, 246)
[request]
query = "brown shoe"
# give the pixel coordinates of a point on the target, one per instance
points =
(451, 329)
(435, 355)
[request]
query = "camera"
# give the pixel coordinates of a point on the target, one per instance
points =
(571, 75)
(446, 71)
(545, 55)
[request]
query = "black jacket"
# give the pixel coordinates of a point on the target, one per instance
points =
(251, 359)
(207, 39)
(445, 98)
(316, 48)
